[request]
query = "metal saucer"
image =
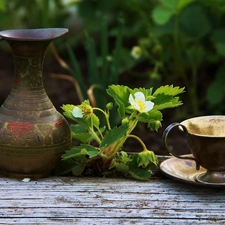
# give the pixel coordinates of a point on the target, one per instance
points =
(185, 171)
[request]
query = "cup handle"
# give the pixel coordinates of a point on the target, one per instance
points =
(164, 139)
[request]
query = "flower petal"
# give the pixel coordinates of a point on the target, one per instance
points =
(136, 52)
(77, 112)
(133, 103)
(131, 99)
(139, 96)
(136, 106)
(148, 106)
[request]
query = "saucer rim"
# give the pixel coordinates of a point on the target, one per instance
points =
(190, 179)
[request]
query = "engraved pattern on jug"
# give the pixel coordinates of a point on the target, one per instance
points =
(29, 71)
(22, 134)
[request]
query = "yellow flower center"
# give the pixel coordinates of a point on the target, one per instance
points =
(141, 105)
(87, 110)
(137, 51)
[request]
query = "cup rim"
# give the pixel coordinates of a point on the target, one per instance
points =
(213, 117)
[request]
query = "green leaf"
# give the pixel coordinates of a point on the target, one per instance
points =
(219, 35)
(218, 5)
(192, 27)
(151, 115)
(164, 97)
(123, 157)
(69, 115)
(146, 92)
(220, 47)
(161, 15)
(120, 167)
(166, 101)
(195, 55)
(2, 5)
(80, 133)
(64, 167)
(95, 121)
(78, 168)
(218, 38)
(214, 94)
(154, 125)
(169, 90)
(184, 3)
(121, 95)
(147, 159)
(120, 162)
(83, 137)
(136, 172)
(140, 173)
(68, 108)
(78, 152)
(114, 135)
(215, 91)
(171, 4)
(92, 151)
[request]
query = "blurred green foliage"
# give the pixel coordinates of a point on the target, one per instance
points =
(32, 14)
(104, 66)
(2, 5)
(20, 14)
(194, 30)
(182, 41)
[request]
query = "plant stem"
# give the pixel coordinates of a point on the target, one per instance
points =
(95, 135)
(117, 146)
(106, 116)
(137, 138)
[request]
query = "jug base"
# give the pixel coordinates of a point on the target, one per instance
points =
(21, 176)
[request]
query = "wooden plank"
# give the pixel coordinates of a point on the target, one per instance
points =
(107, 184)
(110, 221)
(108, 201)
(99, 212)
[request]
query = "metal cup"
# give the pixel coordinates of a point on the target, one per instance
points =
(206, 139)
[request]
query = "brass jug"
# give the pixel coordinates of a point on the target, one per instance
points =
(33, 134)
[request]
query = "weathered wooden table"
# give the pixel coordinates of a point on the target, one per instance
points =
(70, 200)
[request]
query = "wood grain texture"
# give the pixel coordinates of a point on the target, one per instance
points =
(69, 200)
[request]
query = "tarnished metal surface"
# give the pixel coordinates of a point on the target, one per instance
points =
(206, 138)
(33, 135)
(182, 170)
(43, 34)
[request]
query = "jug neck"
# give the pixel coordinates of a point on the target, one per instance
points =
(28, 62)
(28, 48)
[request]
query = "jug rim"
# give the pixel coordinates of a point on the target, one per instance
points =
(39, 34)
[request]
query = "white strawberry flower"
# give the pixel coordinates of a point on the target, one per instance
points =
(77, 112)
(139, 103)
